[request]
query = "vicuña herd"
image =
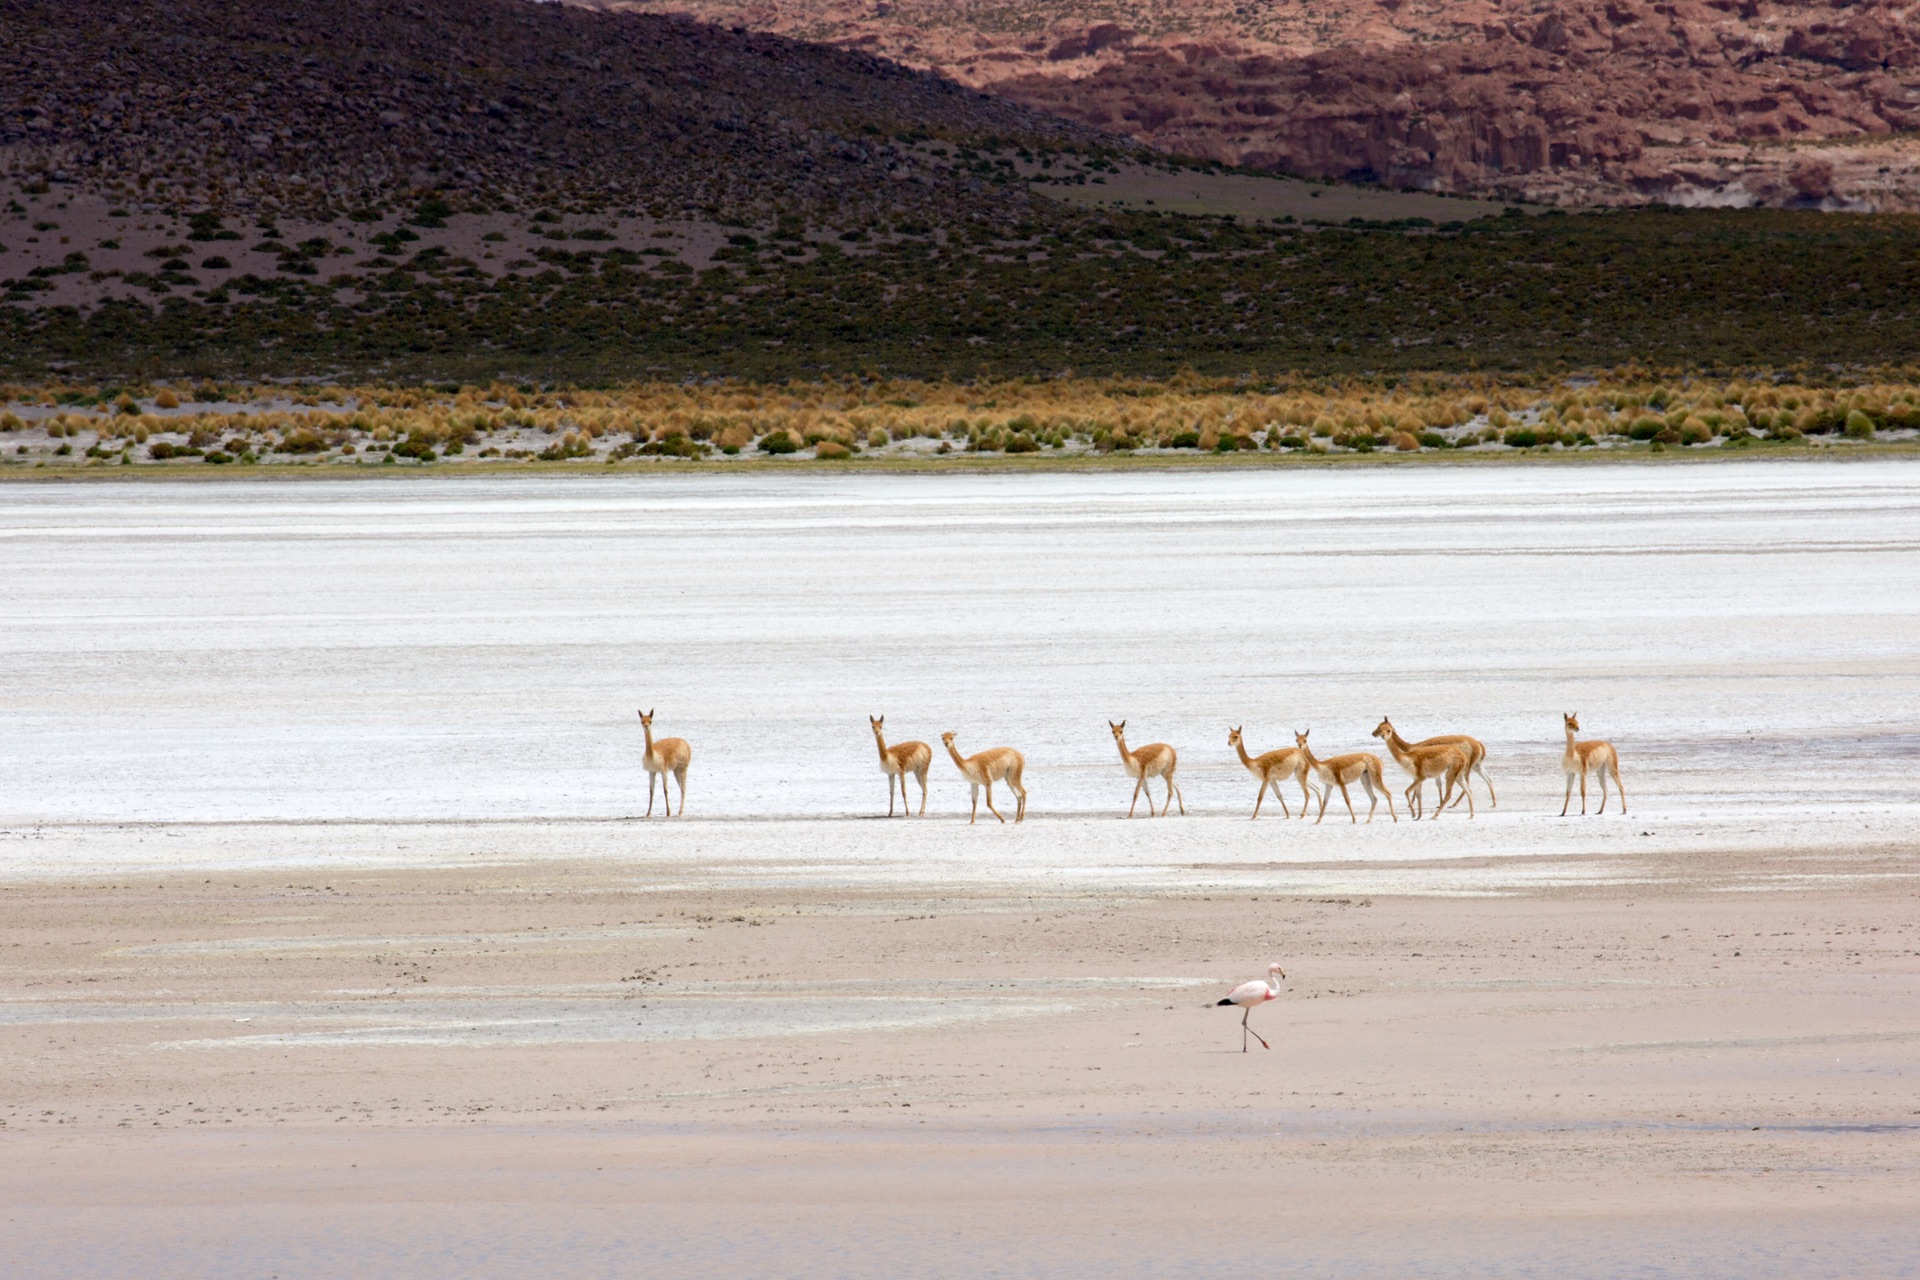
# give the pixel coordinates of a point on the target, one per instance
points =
(1446, 761)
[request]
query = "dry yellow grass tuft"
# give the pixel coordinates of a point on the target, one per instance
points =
(358, 425)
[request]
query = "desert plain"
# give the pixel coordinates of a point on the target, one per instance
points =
(336, 943)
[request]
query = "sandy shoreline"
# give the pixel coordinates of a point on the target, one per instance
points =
(1686, 1068)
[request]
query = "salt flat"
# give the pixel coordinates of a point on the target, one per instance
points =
(334, 946)
(426, 669)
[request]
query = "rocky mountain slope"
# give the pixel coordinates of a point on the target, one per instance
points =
(1800, 103)
(317, 109)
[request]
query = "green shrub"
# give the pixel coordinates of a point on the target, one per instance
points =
(414, 447)
(1522, 437)
(1432, 440)
(777, 442)
(1183, 440)
(1859, 426)
(1695, 431)
(1022, 443)
(1646, 428)
(675, 446)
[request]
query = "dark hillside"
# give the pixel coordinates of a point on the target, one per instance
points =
(491, 188)
(318, 108)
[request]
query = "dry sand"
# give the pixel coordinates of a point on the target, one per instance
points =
(1667, 1067)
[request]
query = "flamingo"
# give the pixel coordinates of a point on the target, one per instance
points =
(1249, 994)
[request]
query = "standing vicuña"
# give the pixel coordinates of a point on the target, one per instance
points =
(1582, 756)
(899, 761)
(669, 755)
(1360, 767)
(1282, 762)
(1444, 763)
(987, 768)
(1155, 760)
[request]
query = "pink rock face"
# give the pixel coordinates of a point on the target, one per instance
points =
(1580, 102)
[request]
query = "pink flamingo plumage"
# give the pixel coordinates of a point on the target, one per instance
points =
(1249, 994)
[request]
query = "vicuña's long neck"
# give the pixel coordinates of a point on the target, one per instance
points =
(881, 739)
(647, 729)
(1120, 740)
(957, 757)
(1570, 739)
(1396, 744)
(1241, 747)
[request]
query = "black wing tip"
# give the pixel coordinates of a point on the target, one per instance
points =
(1218, 1003)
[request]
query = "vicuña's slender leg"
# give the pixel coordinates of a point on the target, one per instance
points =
(1603, 788)
(973, 789)
(682, 778)
(651, 779)
(1176, 795)
(1138, 783)
(1349, 799)
(1568, 798)
(990, 809)
(1583, 788)
(1619, 786)
(922, 775)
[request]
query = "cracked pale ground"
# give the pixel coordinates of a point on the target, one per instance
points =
(333, 947)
